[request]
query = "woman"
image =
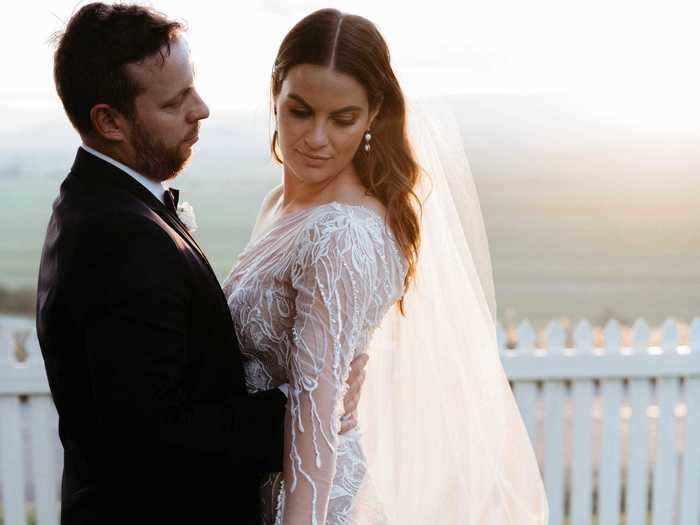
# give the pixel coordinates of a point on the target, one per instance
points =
(333, 249)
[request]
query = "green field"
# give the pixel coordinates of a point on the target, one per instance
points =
(571, 246)
(225, 206)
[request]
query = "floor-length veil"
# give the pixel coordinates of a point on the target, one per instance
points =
(444, 439)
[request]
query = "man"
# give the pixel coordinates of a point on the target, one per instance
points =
(137, 339)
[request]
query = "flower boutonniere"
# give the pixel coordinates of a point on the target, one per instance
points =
(185, 213)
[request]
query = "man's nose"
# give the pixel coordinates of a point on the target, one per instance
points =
(199, 110)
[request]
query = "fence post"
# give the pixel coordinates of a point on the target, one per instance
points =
(554, 393)
(582, 456)
(637, 483)
(665, 469)
(11, 468)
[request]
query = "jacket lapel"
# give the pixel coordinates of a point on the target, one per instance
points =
(97, 171)
(178, 226)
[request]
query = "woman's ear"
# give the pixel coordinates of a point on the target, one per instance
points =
(374, 113)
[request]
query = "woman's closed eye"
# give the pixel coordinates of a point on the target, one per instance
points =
(300, 113)
(344, 121)
(339, 120)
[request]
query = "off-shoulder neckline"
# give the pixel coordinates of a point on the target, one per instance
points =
(280, 221)
(302, 214)
(331, 204)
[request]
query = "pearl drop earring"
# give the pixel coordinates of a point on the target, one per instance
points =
(368, 137)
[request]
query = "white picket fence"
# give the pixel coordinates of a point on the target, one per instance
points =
(616, 429)
(640, 407)
(25, 390)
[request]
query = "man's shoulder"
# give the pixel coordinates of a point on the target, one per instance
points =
(88, 203)
(87, 218)
(96, 191)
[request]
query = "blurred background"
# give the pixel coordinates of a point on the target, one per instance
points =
(580, 120)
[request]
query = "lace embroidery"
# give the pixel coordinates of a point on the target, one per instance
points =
(305, 298)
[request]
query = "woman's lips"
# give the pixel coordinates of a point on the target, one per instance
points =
(313, 160)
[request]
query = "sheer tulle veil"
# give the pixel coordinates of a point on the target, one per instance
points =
(444, 439)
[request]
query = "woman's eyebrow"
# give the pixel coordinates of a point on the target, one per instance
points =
(299, 99)
(345, 109)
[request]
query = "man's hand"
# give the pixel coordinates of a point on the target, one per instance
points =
(352, 397)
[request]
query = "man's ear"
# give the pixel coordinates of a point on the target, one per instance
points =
(107, 123)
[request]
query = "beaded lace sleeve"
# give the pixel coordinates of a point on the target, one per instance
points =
(334, 279)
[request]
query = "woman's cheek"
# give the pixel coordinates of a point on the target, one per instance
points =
(286, 141)
(346, 142)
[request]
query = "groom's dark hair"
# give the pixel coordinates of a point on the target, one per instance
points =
(98, 42)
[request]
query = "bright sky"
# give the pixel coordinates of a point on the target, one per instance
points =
(616, 56)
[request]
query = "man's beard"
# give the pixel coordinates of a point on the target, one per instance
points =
(154, 159)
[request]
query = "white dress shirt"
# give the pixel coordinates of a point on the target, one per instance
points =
(155, 187)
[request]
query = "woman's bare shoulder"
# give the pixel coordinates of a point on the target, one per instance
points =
(367, 201)
(268, 204)
(272, 198)
(375, 204)
(270, 201)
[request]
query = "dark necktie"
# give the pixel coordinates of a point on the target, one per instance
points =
(171, 197)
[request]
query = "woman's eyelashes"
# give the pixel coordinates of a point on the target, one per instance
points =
(300, 113)
(339, 120)
(344, 121)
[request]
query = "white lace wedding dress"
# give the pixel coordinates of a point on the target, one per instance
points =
(305, 296)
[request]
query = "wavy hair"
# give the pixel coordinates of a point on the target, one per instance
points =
(352, 45)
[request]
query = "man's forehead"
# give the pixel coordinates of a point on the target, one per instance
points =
(164, 62)
(177, 50)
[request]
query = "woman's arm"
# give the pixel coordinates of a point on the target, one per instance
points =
(333, 280)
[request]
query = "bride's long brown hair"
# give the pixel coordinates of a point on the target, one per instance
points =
(352, 45)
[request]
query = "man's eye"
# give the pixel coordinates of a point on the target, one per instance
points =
(174, 104)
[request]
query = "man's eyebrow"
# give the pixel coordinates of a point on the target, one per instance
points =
(337, 111)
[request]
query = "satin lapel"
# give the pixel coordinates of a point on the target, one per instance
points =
(87, 166)
(168, 217)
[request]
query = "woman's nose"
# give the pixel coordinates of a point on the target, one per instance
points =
(317, 137)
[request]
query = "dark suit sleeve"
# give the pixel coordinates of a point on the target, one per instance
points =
(137, 341)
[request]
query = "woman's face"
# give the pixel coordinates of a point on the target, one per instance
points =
(322, 116)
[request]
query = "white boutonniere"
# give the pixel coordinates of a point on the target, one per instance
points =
(185, 213)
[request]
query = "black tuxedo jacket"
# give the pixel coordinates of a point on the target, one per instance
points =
(144, 366)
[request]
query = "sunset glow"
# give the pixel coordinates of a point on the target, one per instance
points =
(630, 61)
